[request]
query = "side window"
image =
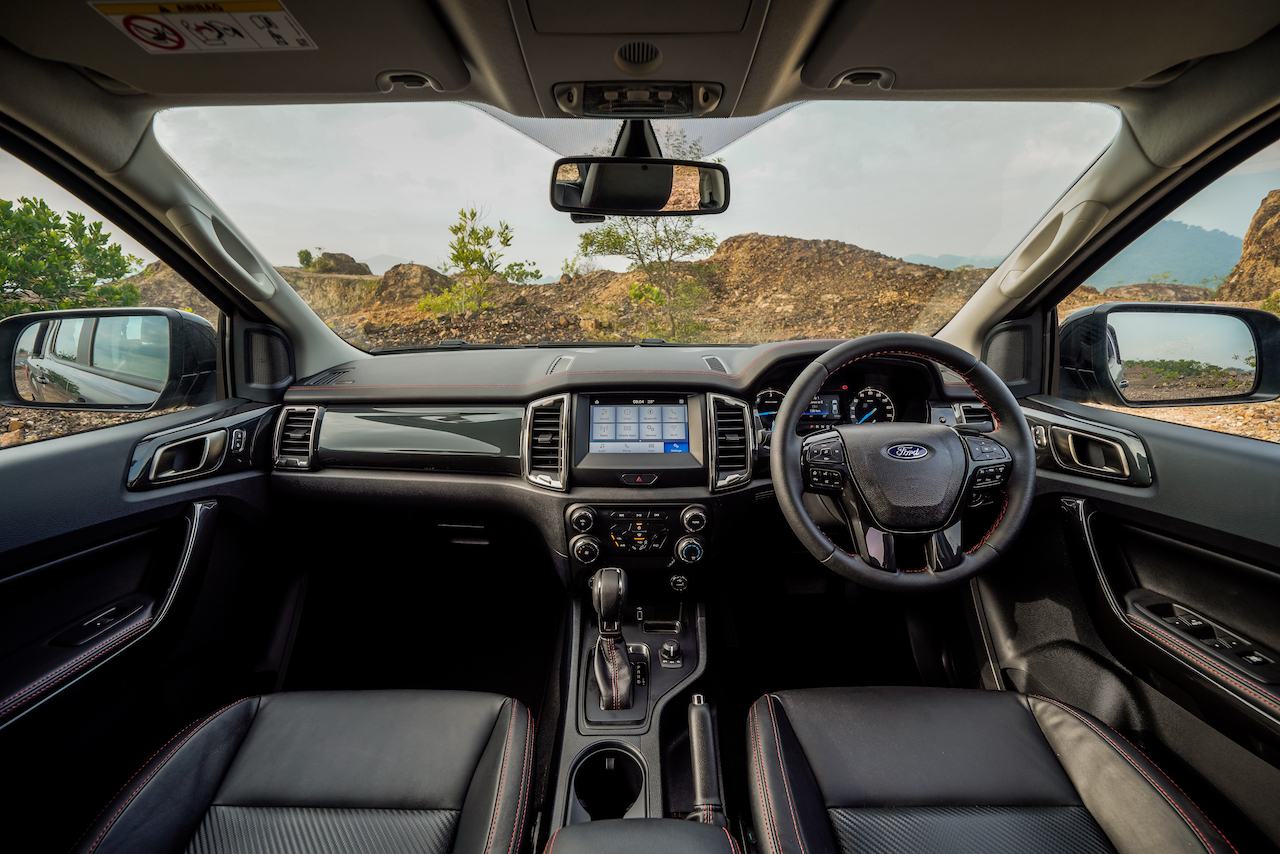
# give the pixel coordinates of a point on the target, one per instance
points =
(58, 253)
(1222, 248)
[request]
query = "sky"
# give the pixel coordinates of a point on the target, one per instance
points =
(388, 179)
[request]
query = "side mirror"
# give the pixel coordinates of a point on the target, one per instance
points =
(110, 359)
(639, 186)
(1152, 354)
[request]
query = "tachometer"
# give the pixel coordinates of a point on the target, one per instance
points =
(767, 404)
(871, 405)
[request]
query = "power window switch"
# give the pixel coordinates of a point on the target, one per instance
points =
(1176, 622)
(1192, 620)
(1233, 643)
(1257, 659)
(1216, 643)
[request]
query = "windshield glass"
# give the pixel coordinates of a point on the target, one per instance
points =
(406, 225)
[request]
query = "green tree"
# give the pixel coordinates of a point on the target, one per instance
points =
(48, 261)
(656, 246)
(476, 252)
(305, 258)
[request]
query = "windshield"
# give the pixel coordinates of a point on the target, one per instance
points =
(405, 225)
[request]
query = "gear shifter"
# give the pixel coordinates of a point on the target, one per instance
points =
(612, 664)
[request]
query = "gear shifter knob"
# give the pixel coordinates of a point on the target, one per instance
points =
(609, 597)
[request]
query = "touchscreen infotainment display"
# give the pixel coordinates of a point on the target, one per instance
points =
(640, 425)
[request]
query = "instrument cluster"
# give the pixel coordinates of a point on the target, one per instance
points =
(876, 392)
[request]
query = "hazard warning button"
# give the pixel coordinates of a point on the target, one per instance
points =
(639, 479)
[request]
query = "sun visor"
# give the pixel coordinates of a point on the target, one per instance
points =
(250, 47)
(1088, 44)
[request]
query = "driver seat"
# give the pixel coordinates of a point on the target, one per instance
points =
(869, 770)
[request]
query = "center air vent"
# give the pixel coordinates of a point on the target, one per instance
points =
(638, 58)
(546, 442)
(296, 437)
(731, 441)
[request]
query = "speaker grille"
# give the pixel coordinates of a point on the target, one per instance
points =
(268, 359)
(638, 58)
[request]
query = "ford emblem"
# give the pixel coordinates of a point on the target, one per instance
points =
(908, 451)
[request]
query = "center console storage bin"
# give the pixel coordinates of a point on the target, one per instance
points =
(633, 836)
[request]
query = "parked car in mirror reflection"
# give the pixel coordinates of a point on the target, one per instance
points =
(110, 361)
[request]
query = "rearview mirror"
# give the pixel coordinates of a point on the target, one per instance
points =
(639, 186)
(114, 359)
(1145, 355)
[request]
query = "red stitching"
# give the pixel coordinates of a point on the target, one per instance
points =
(1140, 770)
(497, 803)
(1204, 661)
(762, 784)
(786, 785)
(994, 524)
(551, 843)
(111, 823)
(23, 696)
(733, 846)
(520, 810)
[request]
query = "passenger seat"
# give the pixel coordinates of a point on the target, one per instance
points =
(333, 772)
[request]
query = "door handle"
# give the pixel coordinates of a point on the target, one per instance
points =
(1089, 452)
(188, 457)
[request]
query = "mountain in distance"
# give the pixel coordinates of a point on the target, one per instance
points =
(1188, 253)
(950, 262)
(380, 264)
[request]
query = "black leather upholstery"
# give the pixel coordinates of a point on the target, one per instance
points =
(335, 773)
(641, 836)
(914, 769)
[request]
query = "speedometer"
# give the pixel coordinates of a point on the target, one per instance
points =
(767, 404)
(871, 405)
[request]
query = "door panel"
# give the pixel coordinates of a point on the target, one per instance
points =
(1117, 593)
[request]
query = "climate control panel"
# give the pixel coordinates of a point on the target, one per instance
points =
(632, 535)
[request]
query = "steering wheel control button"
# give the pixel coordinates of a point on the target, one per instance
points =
(989, 476)
(689, 549)
(586, 549)
(694, 518)
(583, 519)
(830, 451)
(824, 478)
(982, 449)
(645, 479)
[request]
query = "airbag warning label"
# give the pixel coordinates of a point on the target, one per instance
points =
(236, 25)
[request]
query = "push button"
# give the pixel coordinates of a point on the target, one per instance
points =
(982, 449)
(1257, 659)
(642, 479)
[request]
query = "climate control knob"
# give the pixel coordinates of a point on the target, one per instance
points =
(694, 518)
(582, 520)
(689, 549)
(586, 549)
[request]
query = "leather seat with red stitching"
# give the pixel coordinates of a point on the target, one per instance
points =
(873, 770)
(333, 772)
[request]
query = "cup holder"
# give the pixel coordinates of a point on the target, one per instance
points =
(607, 783)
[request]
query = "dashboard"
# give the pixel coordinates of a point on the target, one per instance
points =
(632, 456)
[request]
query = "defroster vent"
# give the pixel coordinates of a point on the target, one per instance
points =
(546, 442)
(731, 442)
(296, 437)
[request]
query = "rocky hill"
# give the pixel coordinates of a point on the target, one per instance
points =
(1257, 276)
(1157, 292)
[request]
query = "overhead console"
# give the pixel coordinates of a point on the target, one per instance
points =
(624, 60)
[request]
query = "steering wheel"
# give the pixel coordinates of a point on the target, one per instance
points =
(902, 488)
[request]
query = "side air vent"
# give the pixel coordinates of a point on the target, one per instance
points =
(296, 435)
(714, 363)
(546, 442)
(972, 413)
(731, 441)
(329, 377)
